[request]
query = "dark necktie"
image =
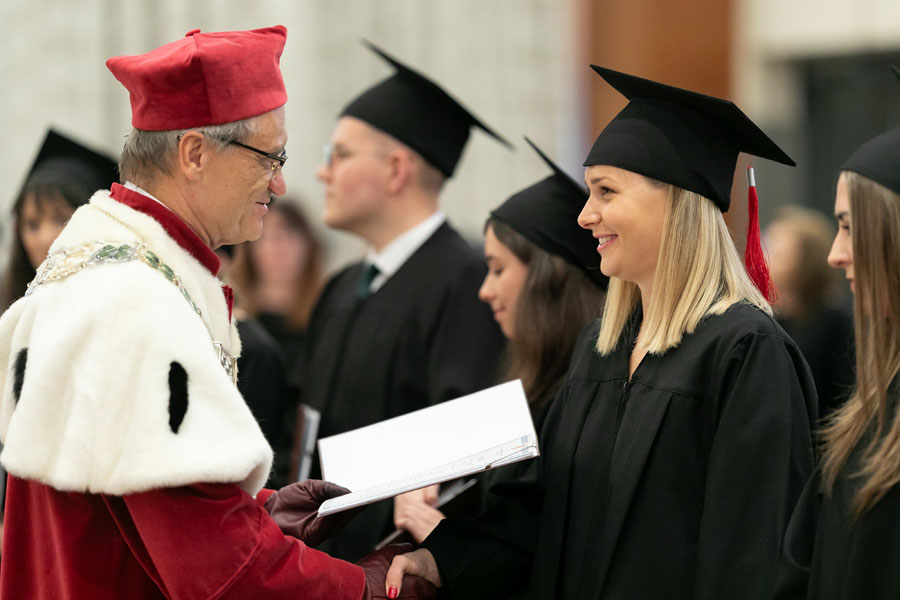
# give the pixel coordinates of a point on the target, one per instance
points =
(365, 282)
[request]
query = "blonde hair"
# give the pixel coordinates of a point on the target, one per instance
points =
(875, 235)
(698, 274)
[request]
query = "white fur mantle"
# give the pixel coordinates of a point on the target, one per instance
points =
(93, 414)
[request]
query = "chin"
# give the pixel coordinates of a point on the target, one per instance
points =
(334, 222)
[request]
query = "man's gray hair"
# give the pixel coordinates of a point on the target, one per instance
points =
(147, 154)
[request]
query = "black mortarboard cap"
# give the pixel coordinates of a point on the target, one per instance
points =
(546, 214)
(879, 160)
(62, 158)
(418, 112)
(679, 137)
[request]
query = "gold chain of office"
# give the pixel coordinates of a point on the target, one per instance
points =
(68, 261)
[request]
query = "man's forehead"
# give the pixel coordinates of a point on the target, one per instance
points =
(273, 127)
(350, 130)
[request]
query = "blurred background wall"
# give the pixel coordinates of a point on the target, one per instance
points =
(512, 62)
(814, 74)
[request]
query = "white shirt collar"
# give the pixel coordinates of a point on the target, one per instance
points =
(395, 254)
(135, 188)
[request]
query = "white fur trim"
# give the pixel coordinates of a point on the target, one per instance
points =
(93, 415)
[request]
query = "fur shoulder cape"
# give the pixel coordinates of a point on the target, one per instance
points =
(110, 381)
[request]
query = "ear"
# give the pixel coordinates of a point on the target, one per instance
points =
(191, 155)
(401, 170)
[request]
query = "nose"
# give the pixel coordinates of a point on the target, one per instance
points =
(839, 257)
(589, 216)
(322, 172)
(486, 292)
(278, 184)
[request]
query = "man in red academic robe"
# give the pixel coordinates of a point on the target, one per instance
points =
(135, 467)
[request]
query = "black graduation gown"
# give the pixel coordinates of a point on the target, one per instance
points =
(422, 338)
(508, 473)
(264, 383)
(678, 484)
(826, 340)
(292, 341)
(828, 556)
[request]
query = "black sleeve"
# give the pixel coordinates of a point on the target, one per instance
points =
(262, 379)
(761, 457)
(487, 557)
(792, 580)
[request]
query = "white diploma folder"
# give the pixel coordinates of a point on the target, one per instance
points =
(453, 439)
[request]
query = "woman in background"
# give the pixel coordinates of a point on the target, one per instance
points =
(64, 176)
(277, 280)
(811, 305)
(843, 540)
(544, 285)
(279, 276)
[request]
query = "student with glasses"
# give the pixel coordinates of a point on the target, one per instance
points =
(403, 329)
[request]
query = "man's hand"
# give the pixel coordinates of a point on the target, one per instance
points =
(294, 508)
(376, 567)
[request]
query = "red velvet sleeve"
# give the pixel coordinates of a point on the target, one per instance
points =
(214, 541)
(263, 495)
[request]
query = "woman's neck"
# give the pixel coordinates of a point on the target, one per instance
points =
(646, 295)
(638, 353)
(276, 297)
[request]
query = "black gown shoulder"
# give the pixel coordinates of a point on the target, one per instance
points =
(828, 553)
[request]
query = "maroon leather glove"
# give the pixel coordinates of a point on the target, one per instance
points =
(294, 508)
(376, 566)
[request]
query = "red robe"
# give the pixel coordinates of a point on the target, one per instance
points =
(203, 541)
(206, 540)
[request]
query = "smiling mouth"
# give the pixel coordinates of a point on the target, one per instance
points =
(603, 241)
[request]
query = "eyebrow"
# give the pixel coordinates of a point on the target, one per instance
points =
(597, 180)
(841, 215)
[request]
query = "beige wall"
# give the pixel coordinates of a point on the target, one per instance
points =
(513, 62)
(771, 34)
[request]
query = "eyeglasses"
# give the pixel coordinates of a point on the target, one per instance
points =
(330, 154)
(278, 160)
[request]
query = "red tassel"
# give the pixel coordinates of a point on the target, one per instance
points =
(754, 259)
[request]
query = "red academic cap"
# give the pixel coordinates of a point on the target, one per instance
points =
(204, 79)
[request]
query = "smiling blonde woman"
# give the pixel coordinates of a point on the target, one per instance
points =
(677, 447)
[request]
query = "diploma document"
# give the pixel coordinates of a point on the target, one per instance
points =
(453, 439)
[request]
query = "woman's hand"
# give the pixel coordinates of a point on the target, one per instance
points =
(420, 563)
(415, 512)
